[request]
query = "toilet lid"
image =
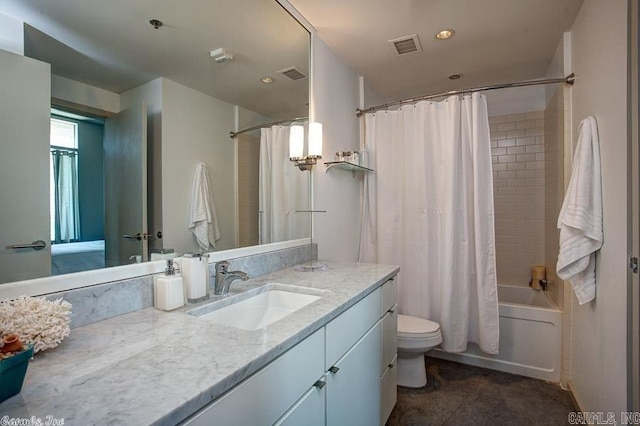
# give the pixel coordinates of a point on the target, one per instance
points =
(409, 326)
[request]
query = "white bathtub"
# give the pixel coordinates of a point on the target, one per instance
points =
(530, 336)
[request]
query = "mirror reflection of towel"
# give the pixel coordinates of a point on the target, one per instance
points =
(203, 221)
(580, 220)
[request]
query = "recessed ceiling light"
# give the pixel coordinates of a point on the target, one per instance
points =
(267, 80)
(455, 76)
(445, 34)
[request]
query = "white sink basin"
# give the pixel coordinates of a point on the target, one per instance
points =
(259, 310)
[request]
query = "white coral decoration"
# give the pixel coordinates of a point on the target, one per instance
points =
(37, 320)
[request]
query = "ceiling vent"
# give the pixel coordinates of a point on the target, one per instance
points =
(406, 45)
(293, 73)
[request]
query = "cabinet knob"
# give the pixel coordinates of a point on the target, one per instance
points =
(320, 384)
(334, 369)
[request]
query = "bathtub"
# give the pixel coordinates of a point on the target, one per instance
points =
(530, 336)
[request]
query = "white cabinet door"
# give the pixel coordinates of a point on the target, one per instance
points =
(388, 361)
(309, 410)
(388, 390)
(353, 383)
(264, 397)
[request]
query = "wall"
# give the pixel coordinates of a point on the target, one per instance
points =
(515, 100)
(599, 59)
(90, 180)
(64, 90)
(335, 98)
(517, 150)
(11, 34)
(199, 133)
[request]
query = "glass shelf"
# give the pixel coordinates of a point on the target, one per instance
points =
(345, 165)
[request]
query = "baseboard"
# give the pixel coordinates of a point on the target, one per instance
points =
(576, 401)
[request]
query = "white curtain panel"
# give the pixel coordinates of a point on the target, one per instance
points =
(67, 206)
(283, 189)
(429, 208)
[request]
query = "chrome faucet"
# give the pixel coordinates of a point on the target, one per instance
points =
(224, 277)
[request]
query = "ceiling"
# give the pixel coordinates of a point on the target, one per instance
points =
(111, 45)
(495, 41)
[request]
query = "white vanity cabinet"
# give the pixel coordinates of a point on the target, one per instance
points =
(268, 395)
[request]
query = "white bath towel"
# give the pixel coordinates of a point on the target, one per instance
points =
(580, 219)
(203, 221)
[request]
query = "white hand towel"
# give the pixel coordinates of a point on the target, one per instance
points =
(580, 219)
(203, 221)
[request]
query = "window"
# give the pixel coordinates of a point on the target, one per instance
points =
(65, 208)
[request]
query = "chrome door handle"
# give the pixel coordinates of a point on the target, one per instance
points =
(140, 236)
(36, 245)
(133, 237)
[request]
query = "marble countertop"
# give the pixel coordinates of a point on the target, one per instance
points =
(155, 367)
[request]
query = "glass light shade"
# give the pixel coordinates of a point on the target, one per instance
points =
(296, 141)
(315, 139)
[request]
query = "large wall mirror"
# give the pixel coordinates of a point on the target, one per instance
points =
(112, 109)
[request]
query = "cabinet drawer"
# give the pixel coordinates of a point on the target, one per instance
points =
(264, 397)
(389, 338)
(349, 326)
(389, 295)
(388, 390)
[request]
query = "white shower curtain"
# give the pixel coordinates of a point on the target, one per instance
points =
(429, 208)
(283, 189)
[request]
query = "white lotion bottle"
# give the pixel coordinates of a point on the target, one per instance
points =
(168, 289)
(195, 272)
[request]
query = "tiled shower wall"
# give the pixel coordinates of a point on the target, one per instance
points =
(518, 154)
(531, 170)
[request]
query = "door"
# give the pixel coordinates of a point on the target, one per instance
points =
(24, 167)
(633, 327)
(125, 191)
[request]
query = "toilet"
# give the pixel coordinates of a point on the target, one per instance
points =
(416, 336)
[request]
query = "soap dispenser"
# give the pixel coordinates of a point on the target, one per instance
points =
(168, 289)
(195, 273)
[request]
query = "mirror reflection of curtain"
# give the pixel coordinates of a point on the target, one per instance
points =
(283, 189)
(66, 205)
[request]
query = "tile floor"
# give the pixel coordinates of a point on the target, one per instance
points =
(458, 394)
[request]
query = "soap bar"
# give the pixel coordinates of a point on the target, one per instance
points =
(168, 292)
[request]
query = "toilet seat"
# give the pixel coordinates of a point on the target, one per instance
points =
(416, 328)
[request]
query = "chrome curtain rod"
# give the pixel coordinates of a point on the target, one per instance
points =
(570, 79)
(232, 135)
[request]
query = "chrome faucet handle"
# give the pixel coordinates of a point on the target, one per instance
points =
(222, 266)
